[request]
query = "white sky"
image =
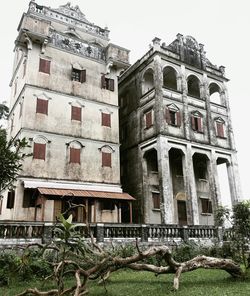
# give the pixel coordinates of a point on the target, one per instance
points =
(223, 26)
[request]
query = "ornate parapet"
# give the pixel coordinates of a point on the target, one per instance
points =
(70, 15)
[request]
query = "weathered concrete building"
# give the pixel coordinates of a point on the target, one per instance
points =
(64, 100)
(175, 129)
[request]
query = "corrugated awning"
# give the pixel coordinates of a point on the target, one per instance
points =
(85, 193)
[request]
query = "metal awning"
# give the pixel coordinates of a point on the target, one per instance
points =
(85, 193)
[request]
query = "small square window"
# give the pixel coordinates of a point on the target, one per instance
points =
(42, 106)
(44, 66)
(156, 200)
(106, 119)
(78, 75)
(76, 113)
(206, 206)
(106, 159)
(39, 151)
(75, 155)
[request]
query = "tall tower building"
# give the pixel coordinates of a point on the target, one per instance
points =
(175, 129)
(64, 100)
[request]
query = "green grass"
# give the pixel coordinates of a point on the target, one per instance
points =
(128, 283)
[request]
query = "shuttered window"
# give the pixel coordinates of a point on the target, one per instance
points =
(106, 119)
(44, 66)
(173, 117)
(76, 113)
(196, 123)
(206, 206)
(42, 106)
(220, 129)
(10, 199)
(75, 155)
(106, 159)
(148, 119)
(39, 151)
(107, 83)
(156, 200)
(78, 75)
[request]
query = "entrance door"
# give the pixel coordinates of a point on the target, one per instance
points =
(182, 212)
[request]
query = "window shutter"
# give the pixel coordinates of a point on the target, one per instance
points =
(83, 76)
(156, 200)
(106, 119)
(75, 155)
(76, 113)
(220, 129)
(10, 199)
(193, 122)
(103, 81)
(199, 124)
(106, 159)
(42, 106)
(44, 66)
(39, 151)
(111, 84)
(149, 119)
(178, 117)
(167, 116)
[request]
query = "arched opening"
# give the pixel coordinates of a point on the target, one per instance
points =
(193, 86)
(169, 78)
(214, 92)
(148, 81)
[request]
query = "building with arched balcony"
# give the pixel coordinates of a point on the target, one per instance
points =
(176, 129)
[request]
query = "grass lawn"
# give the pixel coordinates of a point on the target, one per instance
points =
(128, 283)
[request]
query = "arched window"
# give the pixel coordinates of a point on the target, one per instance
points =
(39, 147)
(148, 81)
(169, 78)
(214, 92)
(74, 151)
(193, 86)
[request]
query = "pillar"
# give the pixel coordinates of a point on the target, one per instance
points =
(234, 180)
(191, 185)
(167, 202)
(215, 180)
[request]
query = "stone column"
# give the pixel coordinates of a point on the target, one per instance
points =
(145, 195)
(206, 97)
(215, 179)
(167, 203)
(186, 120)
(192, 185)
(234, 180)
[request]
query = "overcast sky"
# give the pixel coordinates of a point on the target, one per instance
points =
(223, 26)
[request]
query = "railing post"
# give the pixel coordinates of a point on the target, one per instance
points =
(47, 233)
(100, 232)
(220, 234)
(144, 233)
(185, 234)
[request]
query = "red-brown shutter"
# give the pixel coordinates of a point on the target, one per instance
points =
(83, 76)
(111, 85)
(76, 113)
(193, 122)
(106, 159)
(39, 151)
(103, 81)
(42, 106)
(220, 129)
(106, 119)
(167, 116)
(178, 117)
(199, 124)
(156, 200)
(149, 121)
(75, 155)
(44, 66)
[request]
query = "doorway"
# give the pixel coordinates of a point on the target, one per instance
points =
(182, 212)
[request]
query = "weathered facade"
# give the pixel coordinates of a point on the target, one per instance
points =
(64, 100)
(175, 129)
